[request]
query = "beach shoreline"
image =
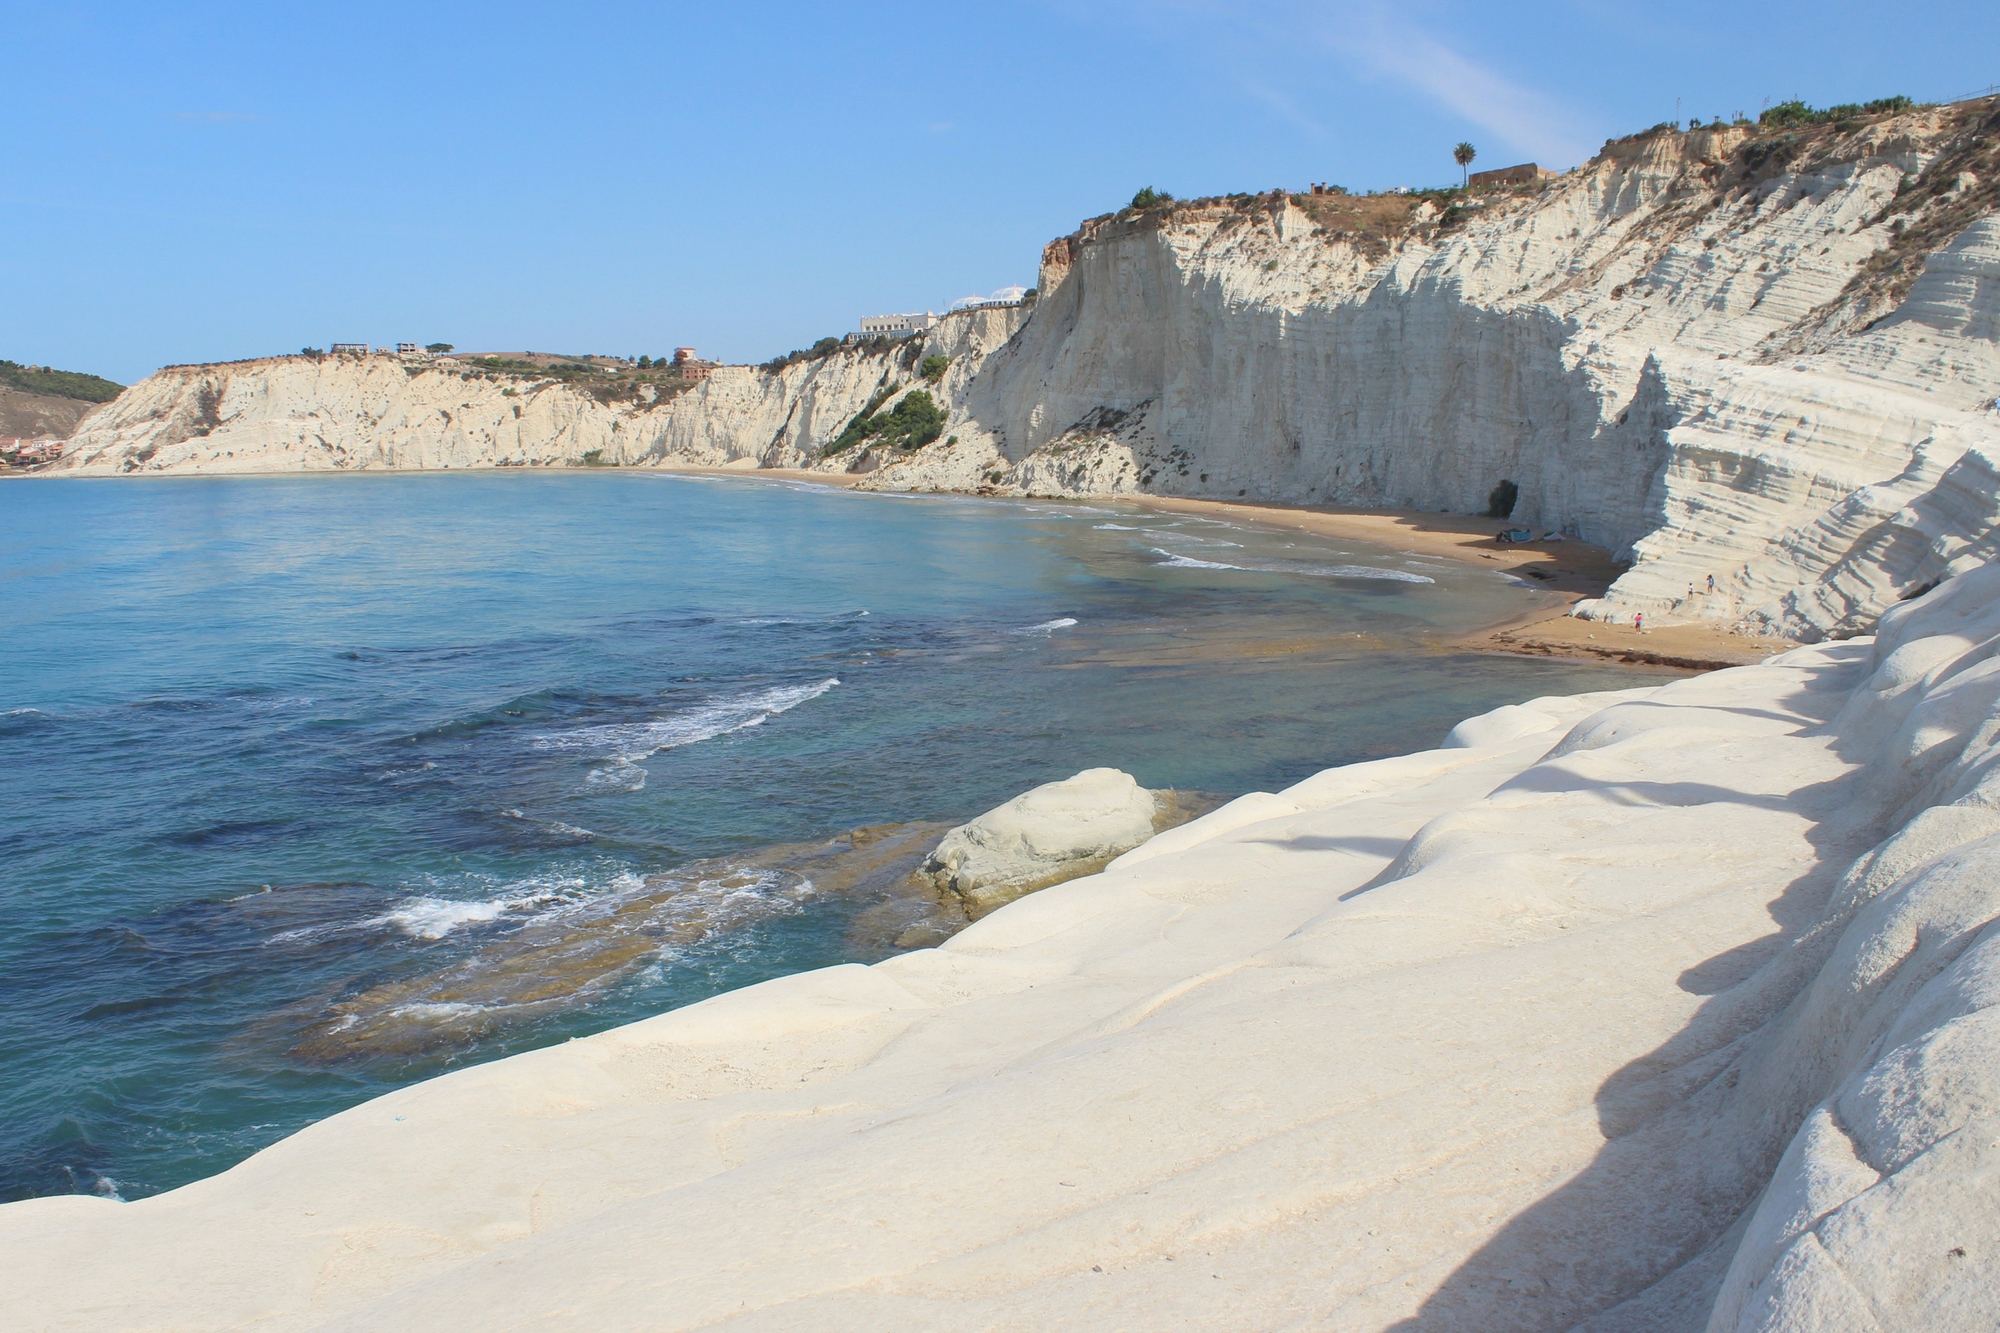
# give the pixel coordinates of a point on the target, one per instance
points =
(1563, 571)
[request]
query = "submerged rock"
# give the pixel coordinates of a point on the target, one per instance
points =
(1058, 831)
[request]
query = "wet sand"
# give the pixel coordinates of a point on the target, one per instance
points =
(841, 479)
(1566, 571)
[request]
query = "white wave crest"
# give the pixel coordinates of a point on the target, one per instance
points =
(1362, 572)
(436, 1011)
(434, 916)
(1047, 626)
(618, 775)
(1189, 562)
(628, 742)
(1114, 527)
(1291, 567)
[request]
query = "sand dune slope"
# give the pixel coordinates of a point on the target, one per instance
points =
(1664, 1009)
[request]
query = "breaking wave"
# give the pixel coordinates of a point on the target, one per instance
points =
(625, 743)
(433, 916)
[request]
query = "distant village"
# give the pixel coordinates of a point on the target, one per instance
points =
(21, 451)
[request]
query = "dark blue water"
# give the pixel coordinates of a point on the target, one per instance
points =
(315, 786)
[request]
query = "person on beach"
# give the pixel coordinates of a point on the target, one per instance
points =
(1711, 585)
(1639, 621)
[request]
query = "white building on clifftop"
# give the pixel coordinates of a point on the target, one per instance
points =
(876, 326)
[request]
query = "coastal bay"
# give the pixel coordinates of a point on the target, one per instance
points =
(1339, 756)
(329, 784)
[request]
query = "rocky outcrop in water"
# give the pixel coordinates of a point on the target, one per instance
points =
(1055, 832)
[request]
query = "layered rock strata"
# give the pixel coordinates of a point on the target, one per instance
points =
(1670, 1008)
(1773, 361)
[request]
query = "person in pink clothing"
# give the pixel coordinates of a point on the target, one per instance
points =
(1639, 621)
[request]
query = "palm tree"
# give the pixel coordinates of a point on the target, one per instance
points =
(1463, 155)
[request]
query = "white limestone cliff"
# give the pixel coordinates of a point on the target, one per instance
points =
(299, 413)
(340, 413)
(1668, 1008)
(787, 418)
(1694, 348)
(1769, 358)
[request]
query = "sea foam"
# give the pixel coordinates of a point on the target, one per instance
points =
(628, 742)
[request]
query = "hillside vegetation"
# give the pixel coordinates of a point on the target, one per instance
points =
(655, 382)
(58, 383)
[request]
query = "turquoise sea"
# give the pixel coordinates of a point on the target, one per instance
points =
(316, 786)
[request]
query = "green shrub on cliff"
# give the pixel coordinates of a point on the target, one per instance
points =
(1151, 198)
(819, 351)
(58, 383)
(910, 424)
(934, 367)
(1792, 114)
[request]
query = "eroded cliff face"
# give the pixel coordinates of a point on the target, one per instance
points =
(287, 414)
(297, 413)
(1772, 359)
(1723, 355)
(787, 418)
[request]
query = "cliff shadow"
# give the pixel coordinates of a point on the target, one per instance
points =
(1389, 393)
(1643, 1235)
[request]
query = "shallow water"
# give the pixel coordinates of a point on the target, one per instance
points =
(320, 785)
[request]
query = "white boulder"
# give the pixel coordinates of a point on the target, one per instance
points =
(1058, 831)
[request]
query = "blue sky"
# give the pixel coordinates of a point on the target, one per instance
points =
(210, 181)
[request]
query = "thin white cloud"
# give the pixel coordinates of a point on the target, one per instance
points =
(1527, 121)
(1262, 47)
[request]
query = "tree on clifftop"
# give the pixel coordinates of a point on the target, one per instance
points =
(1463, 155)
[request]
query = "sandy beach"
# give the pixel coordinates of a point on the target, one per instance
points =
(1565, 571)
